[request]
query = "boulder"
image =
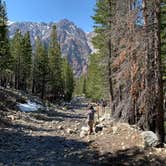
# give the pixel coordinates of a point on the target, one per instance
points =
(150, 139)
(164, 145)
(98, 128)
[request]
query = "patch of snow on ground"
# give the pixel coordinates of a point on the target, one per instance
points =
(29, 106)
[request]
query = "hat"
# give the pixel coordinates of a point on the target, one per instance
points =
(91, 107)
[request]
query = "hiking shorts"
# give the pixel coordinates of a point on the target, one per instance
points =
(90, 123)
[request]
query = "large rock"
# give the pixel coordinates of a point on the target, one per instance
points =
(150, 139)
(99, 127)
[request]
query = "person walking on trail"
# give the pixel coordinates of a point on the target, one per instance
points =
(104, 104)
(90, 119)
(98, 110)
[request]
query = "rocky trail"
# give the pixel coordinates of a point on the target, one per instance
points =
(52, 137)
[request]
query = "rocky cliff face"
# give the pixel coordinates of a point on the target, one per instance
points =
(73, 41)
(89, 36)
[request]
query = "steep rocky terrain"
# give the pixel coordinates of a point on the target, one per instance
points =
(73, 41)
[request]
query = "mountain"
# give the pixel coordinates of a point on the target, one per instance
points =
(75, 44)
(89, 36)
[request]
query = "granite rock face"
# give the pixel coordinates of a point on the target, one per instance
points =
(75, 43)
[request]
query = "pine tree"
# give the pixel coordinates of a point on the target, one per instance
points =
(27, 61)
(4, 45)
(102, 42)
(55, 65)
(68, 79)
(79, 87)
(17, 55)
(40, 69)
(95, 78)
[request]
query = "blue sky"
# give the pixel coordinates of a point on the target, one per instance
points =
(78, 11)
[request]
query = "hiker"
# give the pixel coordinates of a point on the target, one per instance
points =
(98, 110)
(104, 104)
(90, 119)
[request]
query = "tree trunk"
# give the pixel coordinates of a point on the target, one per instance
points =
(110, 78)
(154, 89)
(109, 61)
(43, 88)
(158, 73)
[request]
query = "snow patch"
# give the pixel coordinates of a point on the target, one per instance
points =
(10, 23)
(29, 106)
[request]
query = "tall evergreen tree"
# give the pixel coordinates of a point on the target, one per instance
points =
(4, 44)
(55, 65)
(102, 42)
(95, 78)
(27, 61)
(81, 85)
(68, 79)
(17, 55)
(40, 69)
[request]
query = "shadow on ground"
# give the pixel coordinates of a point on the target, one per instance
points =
(55, 115)
(29, 127)
(130, 157)
(17, 148)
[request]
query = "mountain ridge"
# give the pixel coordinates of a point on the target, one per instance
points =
(73, 40)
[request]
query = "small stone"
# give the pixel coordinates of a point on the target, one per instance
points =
(50, 126)
(84, 128)
(101, 133)
(69, 131)
(65, 156)
(123, 147)
(159, 150)
(11, 117)
(81, 156)
(83, 133)
(60, 127)
(114, 129)
(102, 119)
(150, 153)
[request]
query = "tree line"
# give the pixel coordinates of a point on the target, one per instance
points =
(129, 65)
(41, 71)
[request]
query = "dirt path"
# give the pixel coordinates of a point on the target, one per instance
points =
(52, 138)
(47, 138)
